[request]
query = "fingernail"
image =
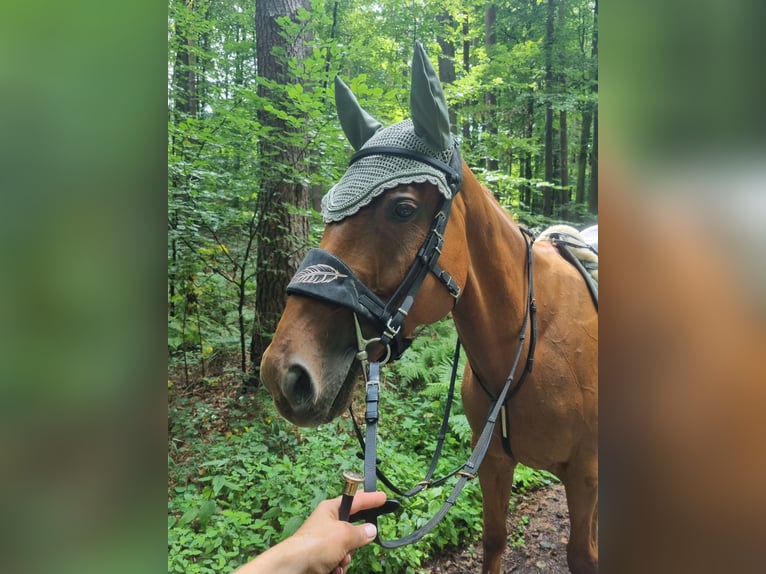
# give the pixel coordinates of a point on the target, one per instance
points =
(370, 530)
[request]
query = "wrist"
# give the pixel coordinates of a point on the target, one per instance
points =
(286, 557)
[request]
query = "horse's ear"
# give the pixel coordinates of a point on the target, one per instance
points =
(358, 125)
(427, 104)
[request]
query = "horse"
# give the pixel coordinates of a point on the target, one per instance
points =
(377, 217)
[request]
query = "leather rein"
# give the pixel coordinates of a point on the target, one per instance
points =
(324, 276)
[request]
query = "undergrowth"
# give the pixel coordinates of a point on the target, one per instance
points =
(241, 478)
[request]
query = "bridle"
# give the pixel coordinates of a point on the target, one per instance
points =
(324, 276)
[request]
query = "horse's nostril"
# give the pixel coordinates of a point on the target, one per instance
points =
(298, 387)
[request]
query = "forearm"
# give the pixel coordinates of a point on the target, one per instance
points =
(286, 557)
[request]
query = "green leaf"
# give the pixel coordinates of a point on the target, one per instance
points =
(188, 516)
(292, 525)
(219, 481)
(206, 511)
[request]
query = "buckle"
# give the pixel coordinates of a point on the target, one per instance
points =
(391, 330)
(373, 396)
(451, 285)
(454, 289)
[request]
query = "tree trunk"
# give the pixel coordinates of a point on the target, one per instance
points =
(185, 70)
(593, 195)
(587, 115)
(528, 133)
(184, 106)
(548, 190)
(242, 293)
(283, 204)
(333, 33)
(582, 157)
(564, 196)
(447, 73)
(466, 68)
(490, 15)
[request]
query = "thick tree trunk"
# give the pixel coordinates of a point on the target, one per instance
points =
(283, 204)
(184, 106)
(185, 71)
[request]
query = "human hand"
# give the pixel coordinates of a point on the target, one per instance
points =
(323, 544)
(330, 541)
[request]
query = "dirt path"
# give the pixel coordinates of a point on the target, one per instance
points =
(538, 531)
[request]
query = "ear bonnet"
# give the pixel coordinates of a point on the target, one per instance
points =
(413, 151)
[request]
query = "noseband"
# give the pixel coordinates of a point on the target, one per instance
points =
(324, 276)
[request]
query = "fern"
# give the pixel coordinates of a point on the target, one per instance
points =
(459, 425)
(428, 360)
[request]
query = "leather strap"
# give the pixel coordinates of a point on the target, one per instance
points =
(428, 480)
(468, 471)
(371, 422)
(323, 276)
(471, 466)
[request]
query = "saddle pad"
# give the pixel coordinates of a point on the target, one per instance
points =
(589, 280)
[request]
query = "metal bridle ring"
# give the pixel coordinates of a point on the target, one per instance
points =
(362, 344)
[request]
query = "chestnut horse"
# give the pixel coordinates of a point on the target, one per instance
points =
(310, 366)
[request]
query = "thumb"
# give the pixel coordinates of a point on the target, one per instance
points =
(363, 534)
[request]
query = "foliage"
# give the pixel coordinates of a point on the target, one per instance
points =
(241, 478)
(517, 537)
(215, 168)
(525, 478)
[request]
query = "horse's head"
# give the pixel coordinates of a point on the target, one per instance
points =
(385, 256)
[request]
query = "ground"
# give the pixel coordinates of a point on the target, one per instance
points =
(538, 531)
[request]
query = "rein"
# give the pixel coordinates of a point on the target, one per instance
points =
(428, 480)
(468, 470)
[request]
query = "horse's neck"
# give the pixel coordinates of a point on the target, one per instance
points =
(491, 309)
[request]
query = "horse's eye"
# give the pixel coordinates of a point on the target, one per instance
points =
(405, 209)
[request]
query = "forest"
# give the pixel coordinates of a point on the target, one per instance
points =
(253, 143)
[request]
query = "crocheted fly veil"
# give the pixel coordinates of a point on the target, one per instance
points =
(427, 133)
